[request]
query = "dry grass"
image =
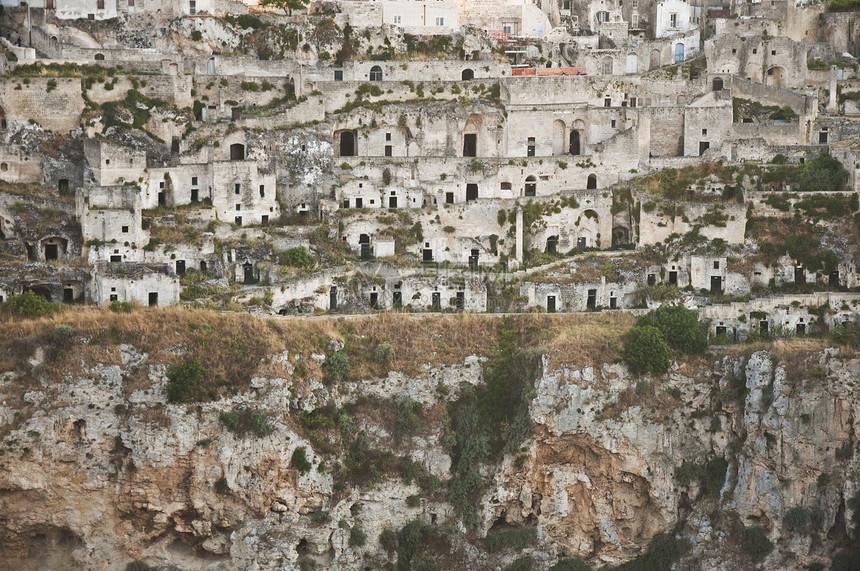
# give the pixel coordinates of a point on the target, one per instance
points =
(233, 347)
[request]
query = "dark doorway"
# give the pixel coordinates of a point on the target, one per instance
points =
(364, 243)
(591, 184)
(673, 278)
(41, 292)
(374, 300)
(531, 186)
(436, 302)
(473, 259)
(581, 243)
(613, 303)
(550, 304)
(237, 221)
(398, 299)
(652, 279)
(834, 278)
(703, 146)
(68, 295)
(461, 300)
(721, 330)
(763, 327)
(467, 74)
(717, 84)
(801, 329)
(716, 284)
(236, 113)
(115, 258)
(347, 144)
(202, 267)
(248, 273)
(162, 199)
(552, 245)
(799, 275)
(359, 203)
(471, 191)
(63, 185)
(153, 298)
(52, 252)
(427, 255)
(195, 195)
(591, 302)
(392, 202)
(180, 267)
(470, 145)
(574, 143)
(237, 152)
(332, 298)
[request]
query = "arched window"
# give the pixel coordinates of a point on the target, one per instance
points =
(606, 66)
(99, 57)
(4, 167)
(237, 152)
(467, 74)
(376, 73)
(592, 182)
(531, 186)
(717, 84)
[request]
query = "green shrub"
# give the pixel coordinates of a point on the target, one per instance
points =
(663, 551)
(320, 517)
(297, 257)
(138, 565)
(413, 501)
(299, 461)
(524, 563)
(29, 304)
(513, 539)
(244, 421)
(755, 542)
(357, 538)
(796, 520)
(388, 540)
(121, 306)
(646, 351)
(679, 327)
(406, 421)
(337, 366)
(383, 353)
(844, 335)
(571, 564)
(221, 486)
(185, 381)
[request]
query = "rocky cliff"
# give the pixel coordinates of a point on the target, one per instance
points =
(744, 458)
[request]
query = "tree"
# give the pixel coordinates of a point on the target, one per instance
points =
(679, 327)
(646, 351)
(287, 5)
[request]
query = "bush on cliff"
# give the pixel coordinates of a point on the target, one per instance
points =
(185, 381)
(646, 351)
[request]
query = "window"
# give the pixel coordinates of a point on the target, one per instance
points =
(530, 151)
(160, 185)
(125, 229)
(673, 20)
(506, 186)
(193, 181)
(603, 16)
(716, 265)
(734, 50)
(607, 102)
(440, 21)
(704, 131)
(566, 5)
(338, 75)
(4, 167)
(388, 136)
(773, 52)
(131, 3)
(449, 198)
(755, 50)
(192, 7)
(262, 190)
(398, 19)
(635, 21)
(238, 207)
(100, 4)
(612, 123)
(388, 150)
(376, 73)
(238, 189)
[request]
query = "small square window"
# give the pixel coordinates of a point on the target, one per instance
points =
(238, 207)
(704, 131)
(717, 265)
(125, 229)
(734, 50)
(160, 185)
(388, 136)
(773, 52)
(755, 50)
(338, 76)
(107, 161)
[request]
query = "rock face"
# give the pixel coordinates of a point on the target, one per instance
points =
(94, 476)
